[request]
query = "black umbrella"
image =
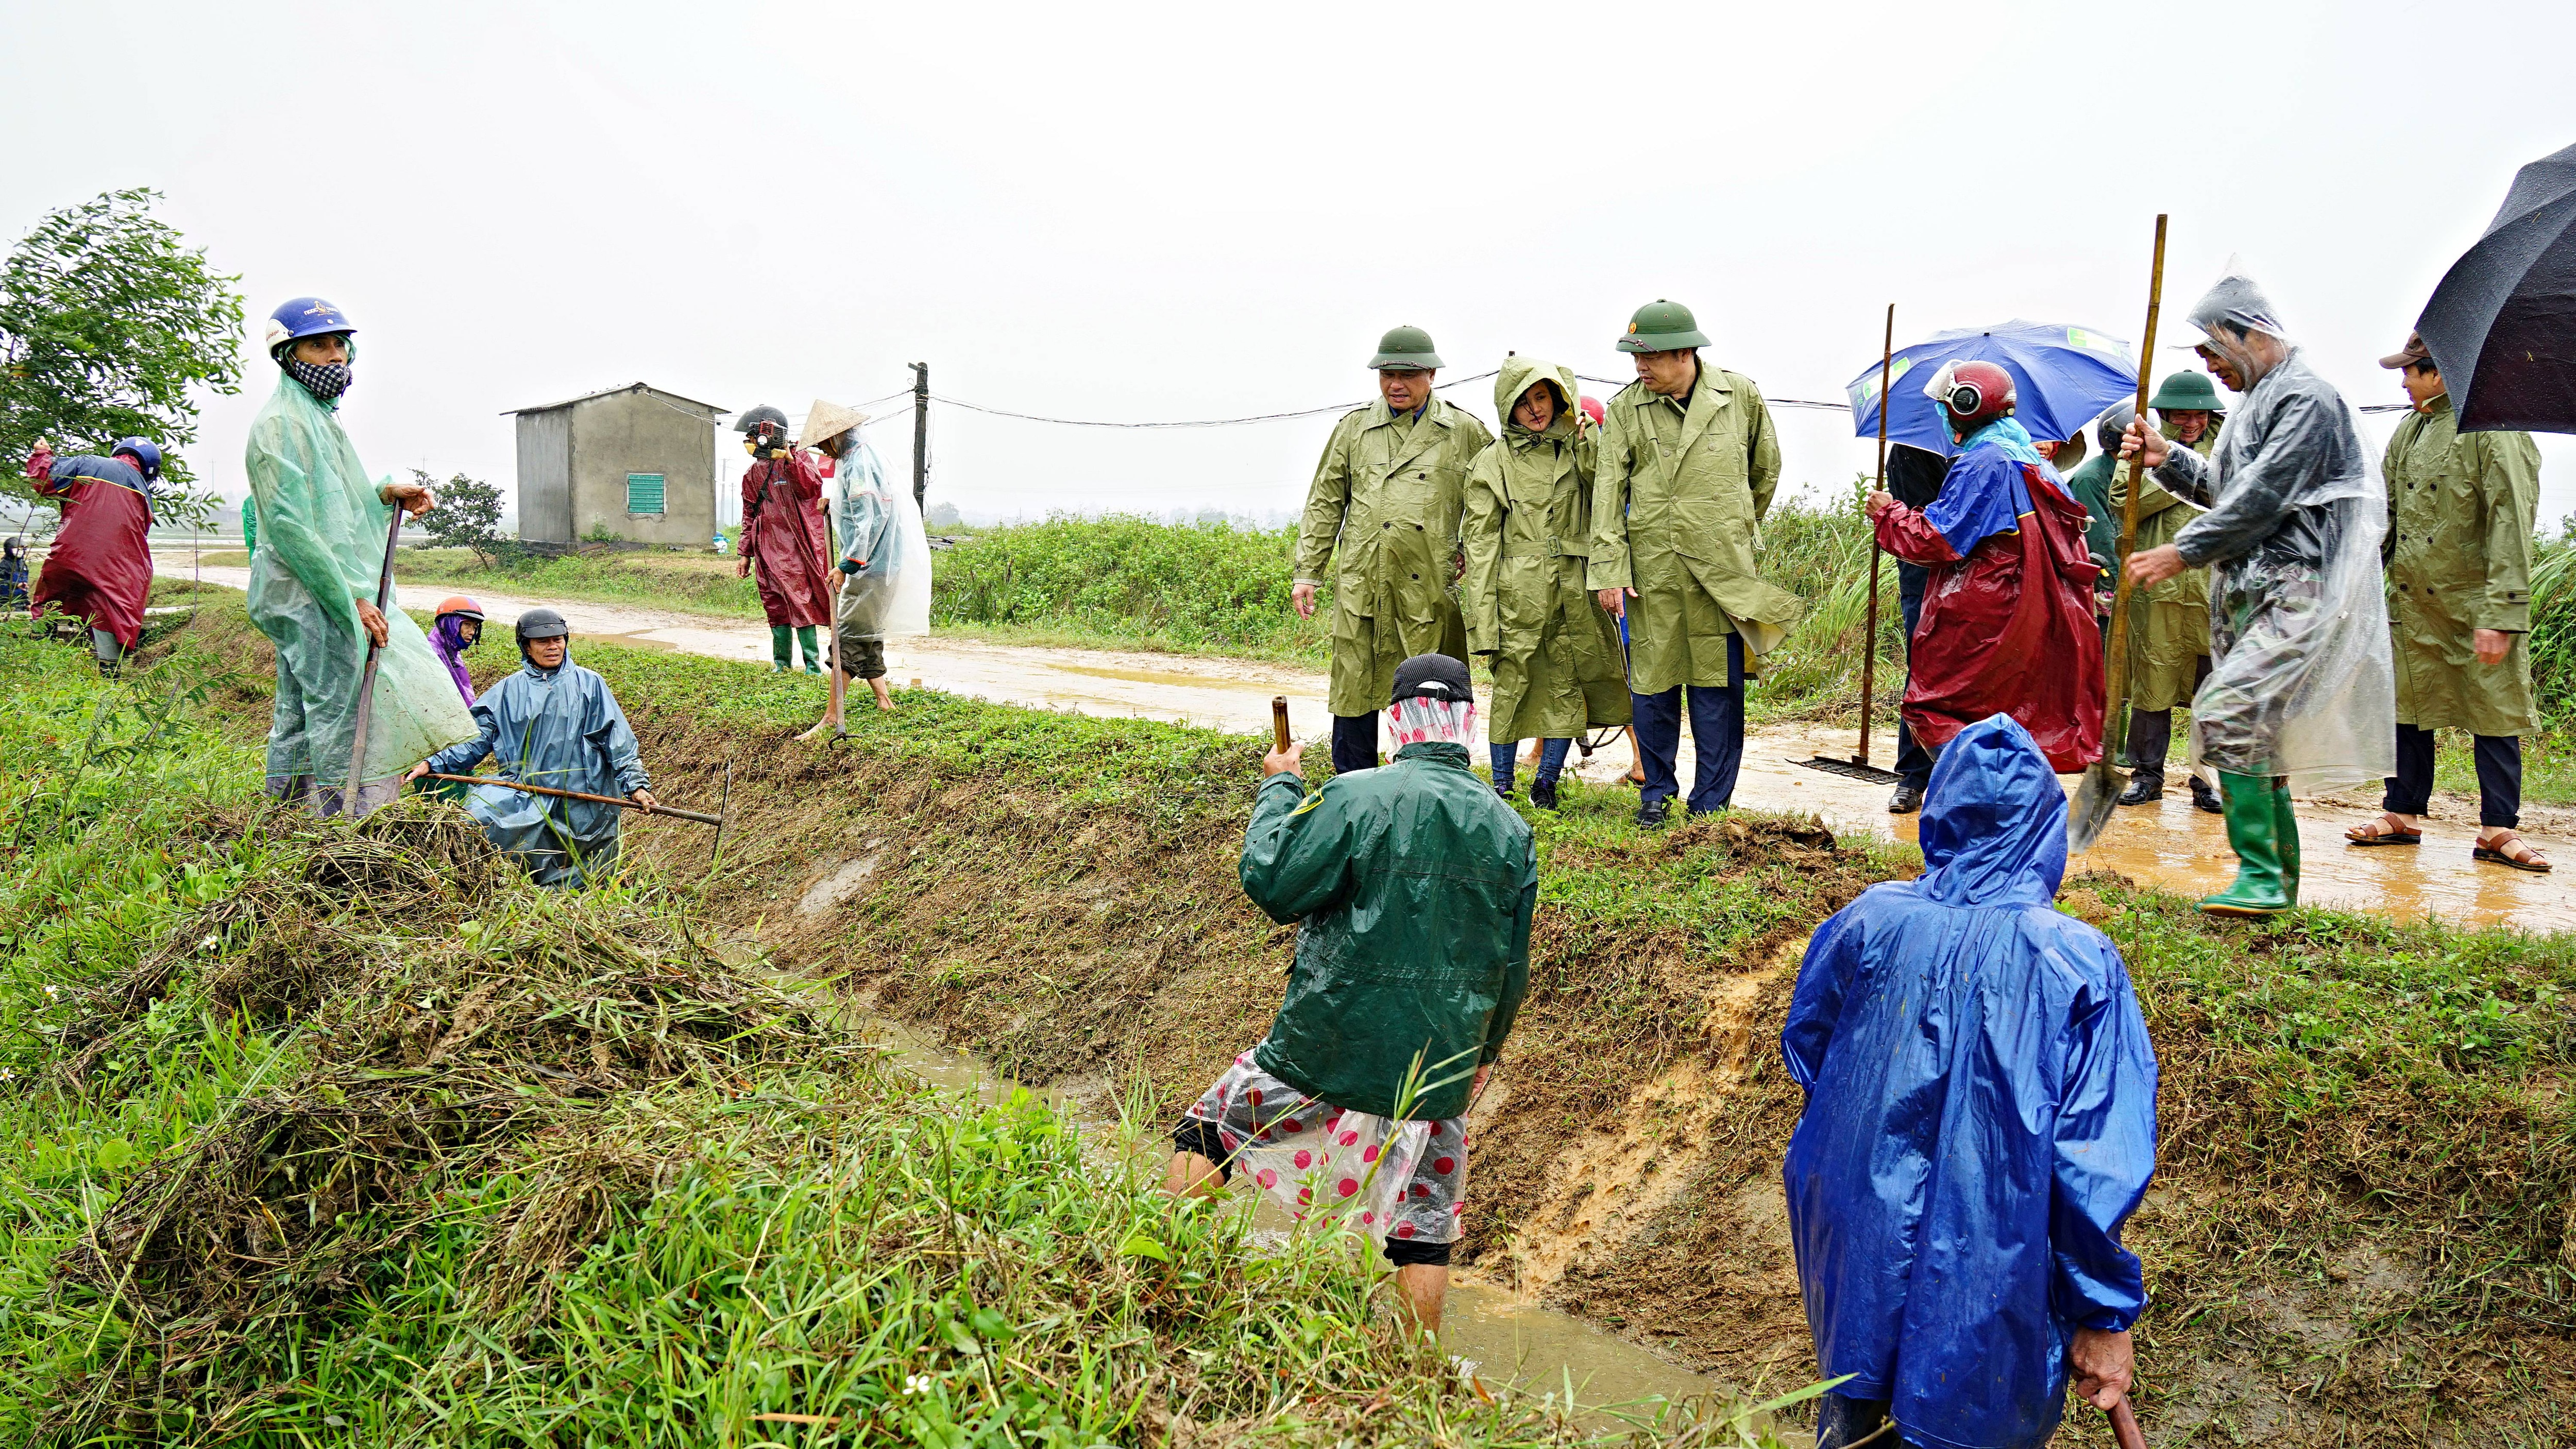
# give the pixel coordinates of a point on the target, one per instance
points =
(2502, 326)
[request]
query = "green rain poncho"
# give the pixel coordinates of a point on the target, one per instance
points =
(1527, 529)
(321, 545)
(1382, 514)
(2461, 506)
(1677, 514)
(2169, 623)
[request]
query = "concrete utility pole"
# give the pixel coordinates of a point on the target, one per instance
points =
(920, 433)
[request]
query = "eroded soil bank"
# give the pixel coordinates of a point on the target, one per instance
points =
(2361, 1233)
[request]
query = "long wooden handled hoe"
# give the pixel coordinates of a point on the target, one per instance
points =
(2099, 793)
(367, 678)
(1858, 766)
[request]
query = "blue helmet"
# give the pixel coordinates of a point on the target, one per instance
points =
(147, 456)
(303, 317)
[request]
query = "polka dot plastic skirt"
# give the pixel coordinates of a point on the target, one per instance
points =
(1406, 1180)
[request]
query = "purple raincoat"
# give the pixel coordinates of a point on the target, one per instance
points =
(447, 641)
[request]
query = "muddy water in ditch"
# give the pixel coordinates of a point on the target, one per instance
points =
(1508, 1339)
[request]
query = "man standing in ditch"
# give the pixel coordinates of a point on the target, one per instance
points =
(1689, 459)
(1412, 889)
(1383, 514)
(1980, 1122)
(2459, 609)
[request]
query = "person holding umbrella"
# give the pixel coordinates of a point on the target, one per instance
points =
(2299, 696)
(2461, 509)
(1382, 516)
(1688, 463)
(314, 580)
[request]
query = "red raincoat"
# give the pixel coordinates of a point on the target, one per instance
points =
(100, 566)
(788, 540)
(2007, 625)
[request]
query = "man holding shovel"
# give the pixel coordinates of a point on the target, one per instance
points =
(552, 723)
(1412, 888)
(321, 564)
(2299, 697)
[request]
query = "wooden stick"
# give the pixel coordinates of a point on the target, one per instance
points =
(2115, 696)
(1279, 724)
(2124, 1426)
(619, 801)
(367, 679)
(1869, 640)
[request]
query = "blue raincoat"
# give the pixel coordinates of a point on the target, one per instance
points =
(1980, 1117)
(560, 728)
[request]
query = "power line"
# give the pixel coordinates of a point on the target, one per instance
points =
(1342, 407)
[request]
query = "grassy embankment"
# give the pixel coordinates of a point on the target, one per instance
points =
(333, 1137)
(2362, 1231)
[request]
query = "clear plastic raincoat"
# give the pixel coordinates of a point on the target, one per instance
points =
(879, 526)
(1980, 1117)
(321, 548)
(560, 728)
(2300, 685)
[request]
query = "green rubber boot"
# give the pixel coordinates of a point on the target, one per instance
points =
(2289, 825)
(813, 655)
(2255, 810)
(781, 640)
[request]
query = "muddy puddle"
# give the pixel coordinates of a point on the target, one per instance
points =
(1506, 1338)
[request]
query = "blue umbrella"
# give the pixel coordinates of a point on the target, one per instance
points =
(2065, 378)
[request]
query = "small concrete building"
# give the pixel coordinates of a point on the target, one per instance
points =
(632, 462)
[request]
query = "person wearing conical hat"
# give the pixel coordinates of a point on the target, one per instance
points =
(883, 573)
(1381, 526)
(1689, 461)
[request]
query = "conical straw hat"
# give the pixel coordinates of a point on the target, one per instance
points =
(824, 419)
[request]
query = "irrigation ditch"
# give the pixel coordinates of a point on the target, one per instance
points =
(2363, 1231)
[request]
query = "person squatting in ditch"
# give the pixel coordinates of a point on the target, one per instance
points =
(2300, 698)
(99, 569)
(454, 628)
(785, 535)
(556, 724)
(1527, 528)
(1980, 1122)
(2007, 623)
(1412, 888)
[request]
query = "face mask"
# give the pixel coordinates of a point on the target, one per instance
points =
(324, 382)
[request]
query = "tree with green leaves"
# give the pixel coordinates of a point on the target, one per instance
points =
(468, 515)
(109, 325)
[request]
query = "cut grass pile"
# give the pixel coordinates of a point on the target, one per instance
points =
(328, 1136)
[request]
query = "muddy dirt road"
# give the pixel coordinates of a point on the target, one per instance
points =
(2170, 845)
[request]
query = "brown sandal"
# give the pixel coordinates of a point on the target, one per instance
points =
(2502, 853)
(2384, 831)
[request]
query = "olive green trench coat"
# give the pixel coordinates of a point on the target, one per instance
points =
(2461, 509)
(2169, 623)
(1677, 508)
(1382, 515)
(1527, 528)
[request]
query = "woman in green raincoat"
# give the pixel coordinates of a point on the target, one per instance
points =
(313, 582)
(1526, 525)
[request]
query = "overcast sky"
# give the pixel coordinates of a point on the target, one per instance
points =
(1190, 211)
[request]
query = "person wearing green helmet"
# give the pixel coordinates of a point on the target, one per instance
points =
(1689, 461)
(1382, 517)
(2168, 623)
(1526, 525)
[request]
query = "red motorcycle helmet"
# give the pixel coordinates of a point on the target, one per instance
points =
(1973, 394)
(1592, 409)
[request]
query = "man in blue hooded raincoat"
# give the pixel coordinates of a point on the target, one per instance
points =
(1980, 1120)
(555, 724)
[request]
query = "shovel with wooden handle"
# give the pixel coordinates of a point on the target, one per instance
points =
(2098, 795)
(1278, 724)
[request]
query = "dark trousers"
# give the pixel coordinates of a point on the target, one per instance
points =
(2151, 731)
(1354, 742)
(1717, 737)
(1912, 760)
(2499, 777)
(1841, 1422)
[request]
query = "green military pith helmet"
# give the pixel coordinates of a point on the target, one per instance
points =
(2187, 392)
(1662, 326)
(1406, 347)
